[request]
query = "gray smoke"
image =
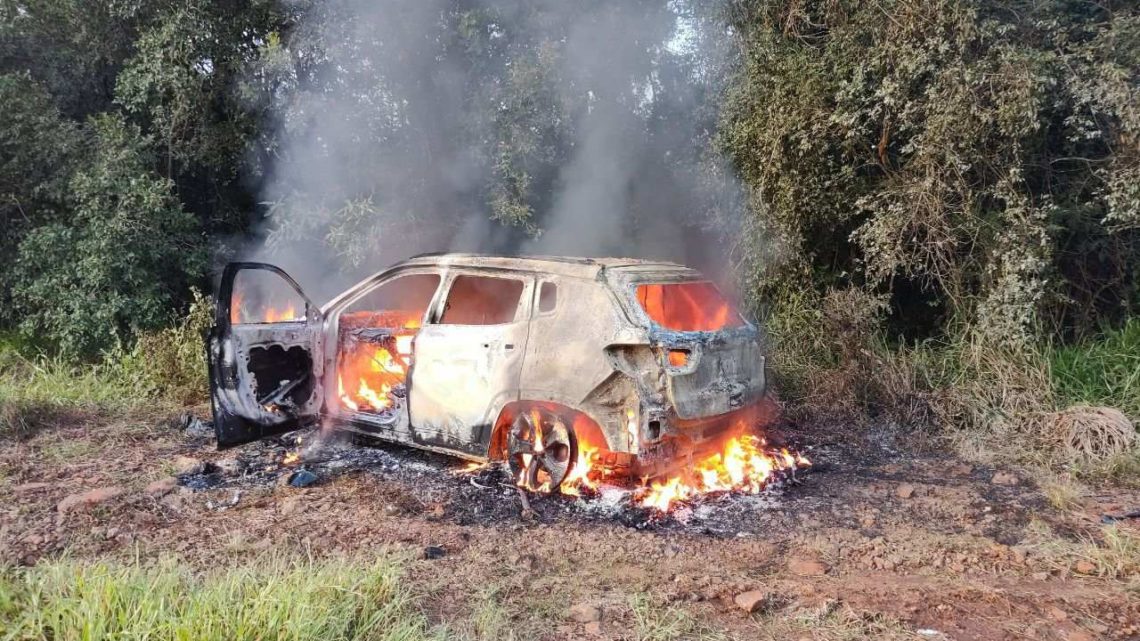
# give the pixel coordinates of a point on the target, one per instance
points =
(401, 125)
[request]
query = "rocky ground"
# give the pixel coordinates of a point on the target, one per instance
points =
(875, 542)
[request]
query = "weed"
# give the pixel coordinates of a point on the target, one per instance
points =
(1114, 554)
(490, 619)
(1062, 492)
(1103, 371)
(657, 622)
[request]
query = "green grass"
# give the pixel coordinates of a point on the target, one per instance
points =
(35, 391)
(168, 366)
(268, 599)
(659, 622)
(1104, 371)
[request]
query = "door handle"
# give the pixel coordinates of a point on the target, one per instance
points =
(509, 346)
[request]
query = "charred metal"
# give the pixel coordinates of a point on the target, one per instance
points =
(628, 367)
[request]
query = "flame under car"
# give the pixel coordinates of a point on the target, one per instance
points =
(570, 369)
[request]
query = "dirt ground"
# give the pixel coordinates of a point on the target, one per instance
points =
(877, 541)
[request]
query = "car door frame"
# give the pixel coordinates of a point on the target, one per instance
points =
(240, 417)
(398, 428)
(469, 437)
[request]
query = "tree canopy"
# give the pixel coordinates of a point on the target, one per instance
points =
(975, 164)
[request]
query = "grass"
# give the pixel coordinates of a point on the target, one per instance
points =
(993, 402)
(164, 367)
(1062, 492)
(1114, 554)
(1103, 371)
(657, 622)
(268, 599)
(36, 391)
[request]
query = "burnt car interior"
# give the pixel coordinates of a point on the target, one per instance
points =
(374, 343)
(696, 306)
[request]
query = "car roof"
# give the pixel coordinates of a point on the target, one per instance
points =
(582, 267)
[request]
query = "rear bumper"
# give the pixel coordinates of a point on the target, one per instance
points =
(687, 441)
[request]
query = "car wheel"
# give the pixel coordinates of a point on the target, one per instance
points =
(541, 450)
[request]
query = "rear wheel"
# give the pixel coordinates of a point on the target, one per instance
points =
(541, 449)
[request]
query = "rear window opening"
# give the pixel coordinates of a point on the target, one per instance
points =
(688, 307)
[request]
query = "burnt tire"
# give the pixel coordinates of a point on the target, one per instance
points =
(542, 449)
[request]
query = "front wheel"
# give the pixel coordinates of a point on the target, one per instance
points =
(541, 450)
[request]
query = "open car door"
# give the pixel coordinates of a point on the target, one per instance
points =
(265, 355)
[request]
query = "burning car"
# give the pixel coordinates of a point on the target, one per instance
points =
(573, 370)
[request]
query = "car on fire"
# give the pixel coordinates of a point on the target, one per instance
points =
(629, 367)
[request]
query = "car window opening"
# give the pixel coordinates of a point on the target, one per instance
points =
(482, 300)
(375, 343)
(261, 296)
(688, 307)
(547, 297)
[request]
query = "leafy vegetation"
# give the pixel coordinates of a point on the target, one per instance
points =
(938, 216)
(269, 599)
(164, 367)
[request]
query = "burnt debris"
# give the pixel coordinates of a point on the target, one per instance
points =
(469, 494)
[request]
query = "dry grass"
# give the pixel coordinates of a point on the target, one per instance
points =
(1114, 553)
(1092, 434)
(832, 621)
(1061, 490)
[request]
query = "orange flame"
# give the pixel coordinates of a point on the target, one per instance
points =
(292, 457)
(744, 464)
(688, 307)
(242, 313)
(368, 373)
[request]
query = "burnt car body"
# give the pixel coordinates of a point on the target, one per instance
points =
(468, 354)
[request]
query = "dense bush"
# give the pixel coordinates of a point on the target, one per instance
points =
(119, 262)
(975, 161)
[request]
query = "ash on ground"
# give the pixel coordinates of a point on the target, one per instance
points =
(477, 495)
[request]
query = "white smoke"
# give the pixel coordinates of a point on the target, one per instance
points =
(384, 145)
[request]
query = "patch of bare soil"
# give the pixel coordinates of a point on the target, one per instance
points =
(873, 542)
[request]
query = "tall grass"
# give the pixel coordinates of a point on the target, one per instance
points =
(167, 366)
(269, 599)
(37, 390)
(993, 400)
(1102, 371)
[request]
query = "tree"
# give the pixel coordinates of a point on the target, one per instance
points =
(970, 158)
(119, 262)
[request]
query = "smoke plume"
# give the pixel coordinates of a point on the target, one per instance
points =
(505, 126)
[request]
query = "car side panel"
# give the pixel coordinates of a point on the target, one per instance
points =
(567, 361)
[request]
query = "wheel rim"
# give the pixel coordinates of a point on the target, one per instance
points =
(544, 467)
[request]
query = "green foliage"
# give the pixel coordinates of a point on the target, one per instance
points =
(950, 146)
(126, 151)
(172, 361)
(1101, 371)
(116, 265)
(37, 149)
(271, 598)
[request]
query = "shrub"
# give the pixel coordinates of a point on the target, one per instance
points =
(173, 360)
(117, 264)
